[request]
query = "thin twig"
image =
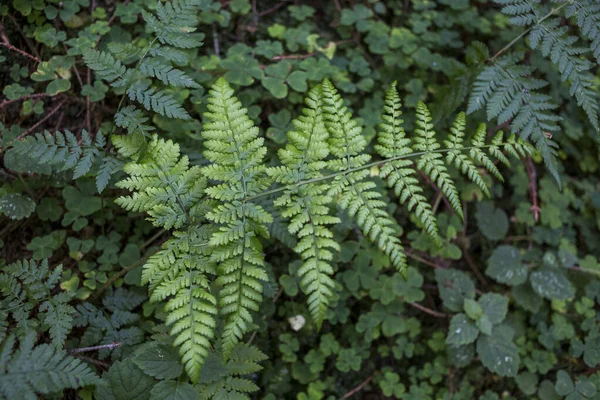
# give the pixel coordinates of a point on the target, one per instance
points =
(532, 174)
(473, 267)
(40, 122)
(88, 115)
(526, 31)
(359, 387)
(29, 43)
(272, 9)
(429, 311)
(21, 52)
(109, 346)
(29, 96)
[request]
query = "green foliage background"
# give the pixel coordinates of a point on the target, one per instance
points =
(501, 304)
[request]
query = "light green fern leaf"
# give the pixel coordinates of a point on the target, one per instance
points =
(400, 174)
(455, 155)
(350, 188)
(236, 154)
(156, 100)
(431, 162)
(307, 204)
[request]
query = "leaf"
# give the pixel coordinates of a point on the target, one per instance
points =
(491, 221)
(498, 353)
(527, 382)
(58, 86)
(16, 206)
(125, 381)
(462, 331)
(495, 307)
(505, 266)
(454, 287)
(552, 284)
(564, 383)
(525, 297)
(173, 390)
(159, 360)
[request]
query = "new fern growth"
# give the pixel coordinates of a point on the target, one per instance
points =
(307, 205)
(220, 211)
(236, 154)
(356, 193)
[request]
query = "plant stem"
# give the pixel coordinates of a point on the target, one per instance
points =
(355, 169)
(525, 32)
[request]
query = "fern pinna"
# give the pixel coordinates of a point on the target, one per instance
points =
(212, 271)
(510, 90)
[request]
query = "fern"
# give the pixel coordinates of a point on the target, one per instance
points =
(225, 380)
(114, 322)
(400, 174)
(175, 23)
(155, 68)
(431, 162)
(41, 369)
(170, 192)
(156, 100)
(26, 286)
(63, 151)
(461, 160)
(307, 205)
(510, 94)
(236, 154)
(587, 16)
(357, 195)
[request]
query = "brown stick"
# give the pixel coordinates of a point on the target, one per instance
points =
(30, 96)
(109, 346)
(40, 122)
(429, 311)
(21, 52)
(359, 387)
(532, 173)
(272, 9)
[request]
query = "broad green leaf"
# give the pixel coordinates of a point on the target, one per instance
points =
(159, 360)
(495, 307)
(173, 390)
(462, 330)
(16, 206)
(564, 383)
(505, 266)
(125, 381)
(498, 353)
(491, 221)
(454, 287)
(552, 284)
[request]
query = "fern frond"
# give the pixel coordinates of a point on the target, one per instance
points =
(400, 175)
(509, 92)
(587, 16)
(461, 161)
(156, 100)
(42, 369)
(106, 67)
(307, 205)
(63, 151)
(355, 194)
(229, 383)
(164, 184)
(554, 42)
(155, 68)
(175, 22)
(170, 191)
(133, 120)
(521, 12)
(431, 162)
(236, 154)
(26, 285)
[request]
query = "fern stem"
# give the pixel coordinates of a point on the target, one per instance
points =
(525, 32)
(355, 169)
